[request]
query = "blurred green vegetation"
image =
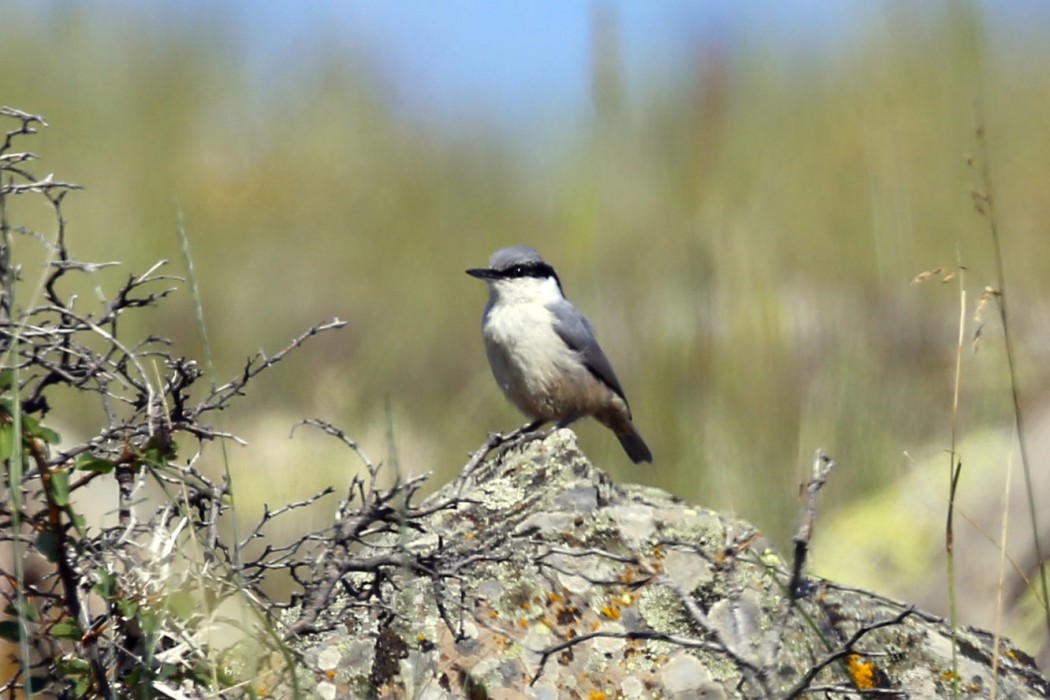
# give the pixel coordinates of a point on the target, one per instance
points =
(742, 235)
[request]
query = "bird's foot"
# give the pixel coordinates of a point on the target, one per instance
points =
(520, 437)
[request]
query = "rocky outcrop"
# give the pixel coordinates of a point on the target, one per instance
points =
(536, 576)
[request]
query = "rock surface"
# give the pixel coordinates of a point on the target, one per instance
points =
(547, 580)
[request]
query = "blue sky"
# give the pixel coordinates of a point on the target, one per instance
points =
(508, 59)
(511, 62)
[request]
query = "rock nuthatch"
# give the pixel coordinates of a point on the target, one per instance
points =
(543, 351)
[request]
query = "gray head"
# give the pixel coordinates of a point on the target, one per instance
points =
(506, 258)
(519, 272)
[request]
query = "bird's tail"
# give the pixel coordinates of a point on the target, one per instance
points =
(617, 417)
(633, 444)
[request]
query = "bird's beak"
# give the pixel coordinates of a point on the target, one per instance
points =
(483, 273)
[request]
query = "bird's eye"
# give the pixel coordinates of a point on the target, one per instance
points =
(518, 271)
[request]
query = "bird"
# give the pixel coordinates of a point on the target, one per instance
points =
(543, 351)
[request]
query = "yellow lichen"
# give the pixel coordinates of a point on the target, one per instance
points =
(863, 672)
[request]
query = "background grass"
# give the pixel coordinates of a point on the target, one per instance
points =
(743, 236)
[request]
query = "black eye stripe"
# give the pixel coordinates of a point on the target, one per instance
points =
(540, 270)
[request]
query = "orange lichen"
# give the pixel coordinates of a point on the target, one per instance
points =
(597, 695)
(611, 611)
(863, 672)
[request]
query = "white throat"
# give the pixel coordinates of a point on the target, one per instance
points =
(525, 290)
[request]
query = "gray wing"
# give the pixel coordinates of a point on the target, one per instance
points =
(573, 328)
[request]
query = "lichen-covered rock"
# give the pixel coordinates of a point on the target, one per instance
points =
(547, 580)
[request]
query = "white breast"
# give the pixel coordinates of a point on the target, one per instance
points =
(534, 367)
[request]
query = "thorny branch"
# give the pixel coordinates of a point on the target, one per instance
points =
(377, 509)
(147, 399)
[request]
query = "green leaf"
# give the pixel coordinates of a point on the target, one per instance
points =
(107, 584)
(48, 435)
(25, 611)
(7, 441)
(154, 457)
(67, 629)
(90, 463)
(78, 522)
(71, 665)
(31, 428)
(10, 630)
(29, 424)
(7, 379)
(128, 608)
(82, 686)
(47, 545)
(60, 487)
